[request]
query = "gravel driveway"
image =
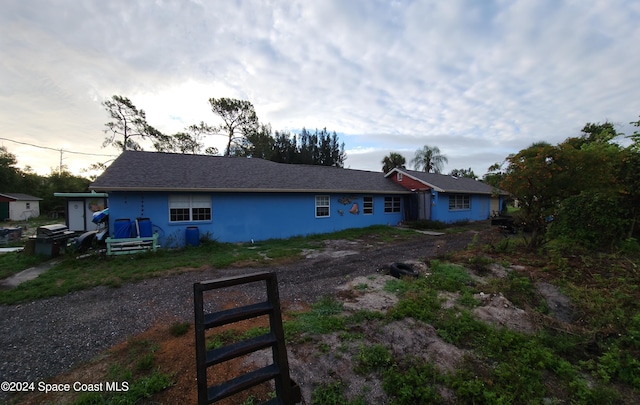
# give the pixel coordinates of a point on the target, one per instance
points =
(46, 337)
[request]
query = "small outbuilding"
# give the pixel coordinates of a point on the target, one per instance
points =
(80, 207)
(18, 206)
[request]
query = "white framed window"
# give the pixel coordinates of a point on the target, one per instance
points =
(459, 202)
(391, 204)
(28, 205)
(189, 208)
(323, 206)
(367, 205)
(399, 176)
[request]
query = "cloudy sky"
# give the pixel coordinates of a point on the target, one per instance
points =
(479, 79)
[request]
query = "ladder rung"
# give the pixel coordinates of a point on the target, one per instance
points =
(243, 347)
(243, 382)
(237, 314)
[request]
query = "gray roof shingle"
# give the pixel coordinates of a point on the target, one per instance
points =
(147, 171)
(449, 184)
(20, 197)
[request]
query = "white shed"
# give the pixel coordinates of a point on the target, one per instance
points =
(80, 207)
(18, 207)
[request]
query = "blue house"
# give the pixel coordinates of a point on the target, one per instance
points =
(244, 199)
(446, 198)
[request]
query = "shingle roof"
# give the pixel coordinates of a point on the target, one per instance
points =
(147, 171)
(449, 184)
(20, 197)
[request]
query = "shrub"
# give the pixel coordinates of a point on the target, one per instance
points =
(592, 220)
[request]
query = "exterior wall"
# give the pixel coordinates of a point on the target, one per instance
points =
(23, 210)
(408, 183)
(479, 208)
(242, 217)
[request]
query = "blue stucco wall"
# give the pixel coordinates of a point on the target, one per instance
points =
(242, 217)
(479, 208)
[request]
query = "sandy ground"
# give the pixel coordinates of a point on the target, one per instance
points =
(66, 338)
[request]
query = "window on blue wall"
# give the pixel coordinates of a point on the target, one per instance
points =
(322, 206)
(391, 204)
(189, 208)
(367, 204)
(459, 202)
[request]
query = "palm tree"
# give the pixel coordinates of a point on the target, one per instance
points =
(429, 159)
(392, 161)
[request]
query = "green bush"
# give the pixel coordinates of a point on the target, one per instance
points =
(593, 220)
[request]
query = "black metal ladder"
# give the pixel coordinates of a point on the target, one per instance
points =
(287, 392)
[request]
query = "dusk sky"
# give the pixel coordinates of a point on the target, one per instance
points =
(478, 79)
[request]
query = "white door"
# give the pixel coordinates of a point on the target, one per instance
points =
(75, 215)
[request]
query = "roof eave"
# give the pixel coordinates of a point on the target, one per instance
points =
(245, 190)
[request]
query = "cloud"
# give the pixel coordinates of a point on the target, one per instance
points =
(480, 80)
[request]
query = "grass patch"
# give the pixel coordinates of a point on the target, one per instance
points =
(332, 393)
(78, 274)
(133, 378)
(373, 358)
(324, 317)
(412, 383)
(179, 328)
(14, 262)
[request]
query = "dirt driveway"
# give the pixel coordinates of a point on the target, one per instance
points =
(44, 338)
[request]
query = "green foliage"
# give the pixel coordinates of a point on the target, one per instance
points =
(138, 378)
(460, 328)
(222, 338)
(518, 289)
(14, 262)
(314, 148)
(238, 116)
(361, 316)
(448, 276)
(480, 264)
(333, 394)
(467, 299)
(591, 220)
(427, 224)
(412, 383)
(373, 358)
(128, 122)
(324, 317)
(421, 304)
(620, 359)
(429, 159)
(463, 173)
(392, 161)
(73, 274)
(542, 175)
(179, 328)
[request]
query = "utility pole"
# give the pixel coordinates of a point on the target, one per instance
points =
(60, 167)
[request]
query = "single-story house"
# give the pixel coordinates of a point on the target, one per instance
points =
(18, 207)
(446, 198)
(244, 199)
